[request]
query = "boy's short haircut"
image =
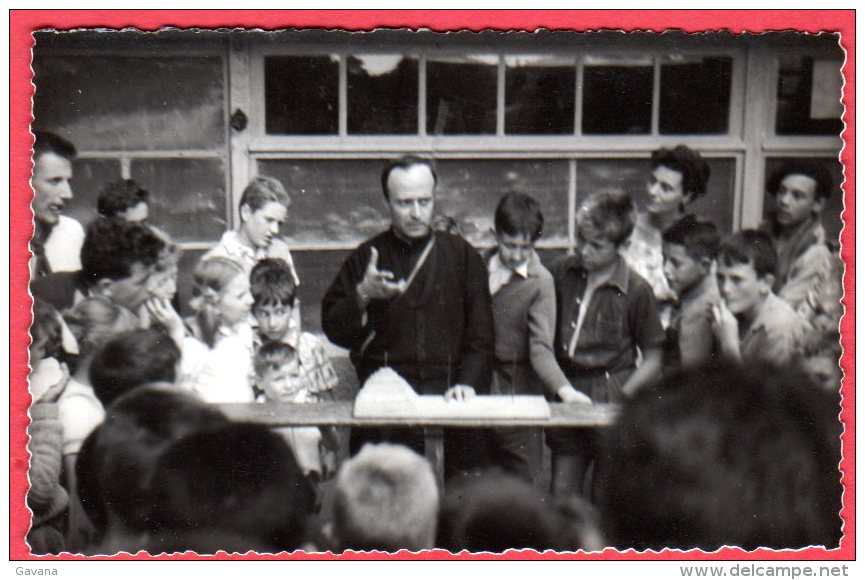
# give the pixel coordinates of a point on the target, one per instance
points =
(120, 196)
(47, 142)
(404, 162)
(263, 190)
(116, 463)
(47, 328)
(700, 238)
(497, 512)
(816, 170)
(724, 455)
(386, 499)
(753, 247)
(694, 169)
(241, 479)
(271, 356)
(519, 214)
(271, 283)
(112, 245)
(131, 359)
(611, 214)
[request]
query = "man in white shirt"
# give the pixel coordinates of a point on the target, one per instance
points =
(57, 239)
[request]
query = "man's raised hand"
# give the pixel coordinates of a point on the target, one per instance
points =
(378, 284)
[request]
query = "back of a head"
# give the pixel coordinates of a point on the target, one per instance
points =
(386, 499)
(119, 196)
(131, 359)
(116, 463)
(241, 481)
(498, 512)
(720, 456)
(112, 245)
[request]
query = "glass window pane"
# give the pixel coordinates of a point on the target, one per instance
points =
(809, 93)
(539, 95)
(187, 196)
(301, 95)
(617, 99)
(108, 103)
(461, 95)
(89, 176)
(695, 95)
(332, 201)
(833, 206)
(631, 175)
(468, 192)
(382, 94)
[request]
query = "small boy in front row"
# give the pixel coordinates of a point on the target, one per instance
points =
(524, 312)
(690, 247)
(279, 375)
(607, 315)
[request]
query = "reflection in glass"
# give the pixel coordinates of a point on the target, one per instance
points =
(89, 176)
(695, 96)
(187, 196)
(108, 103)
(631, 175)
(539, 95)
(809, 93)
(301, 95)
(469, 190)
(461, 95)
(617, 99)
(332, 201)
(382, 94)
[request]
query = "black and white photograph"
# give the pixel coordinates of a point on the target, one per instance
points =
(399, 290)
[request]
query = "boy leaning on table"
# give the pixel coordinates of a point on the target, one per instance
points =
(524, 316)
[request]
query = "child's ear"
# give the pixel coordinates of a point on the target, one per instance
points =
(706, 265)
(769, 280)
(819, 203)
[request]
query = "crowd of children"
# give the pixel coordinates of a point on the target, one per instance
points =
(129, 453)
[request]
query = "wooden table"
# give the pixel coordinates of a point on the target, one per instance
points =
(340, 414)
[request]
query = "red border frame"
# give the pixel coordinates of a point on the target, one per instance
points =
(23, 22)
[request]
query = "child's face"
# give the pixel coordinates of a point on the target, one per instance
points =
(796, 200)
(283, 384)
(262, 225)
(514, 251)
(596, 251)
(741, 288)
(681, 270)
(235, 300)
(273, 320)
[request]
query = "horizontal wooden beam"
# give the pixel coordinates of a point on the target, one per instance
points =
(341, 414)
